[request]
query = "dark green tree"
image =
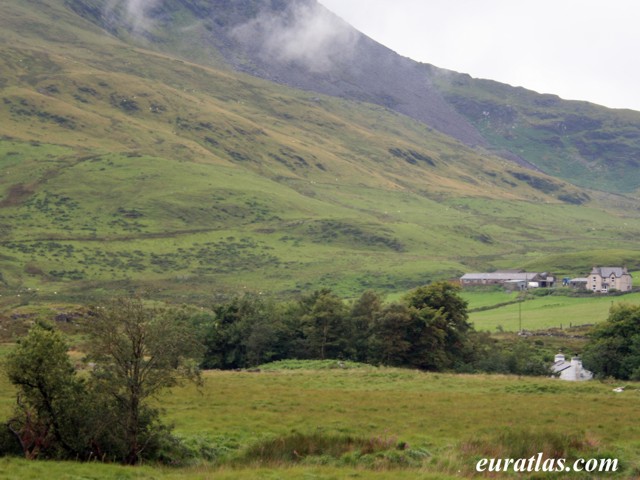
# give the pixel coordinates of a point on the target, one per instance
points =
(613, 349)
(429, 350)
(446, 323)
(390, 342)
(264, 342)
(49, 418)
(363, 313)
(326, 326)
(246, 332)
(224, 341)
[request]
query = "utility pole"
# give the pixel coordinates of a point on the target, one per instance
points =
(520, 315)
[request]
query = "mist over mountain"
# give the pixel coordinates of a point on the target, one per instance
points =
(297, 43)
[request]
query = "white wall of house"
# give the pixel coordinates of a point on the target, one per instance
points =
(571, 371)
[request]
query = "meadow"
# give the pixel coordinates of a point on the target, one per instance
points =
(430, 424)
(496, 311)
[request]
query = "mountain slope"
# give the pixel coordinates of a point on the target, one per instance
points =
(297, 43)
(125, 166)
(583, 143)
(300, 44)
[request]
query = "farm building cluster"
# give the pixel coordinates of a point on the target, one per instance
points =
(600, 280)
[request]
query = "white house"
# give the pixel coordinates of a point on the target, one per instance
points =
(571, 371)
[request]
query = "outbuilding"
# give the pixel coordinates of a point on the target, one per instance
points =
(509, 277)
(571, 371)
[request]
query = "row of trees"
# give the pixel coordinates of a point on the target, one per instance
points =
(429, 329)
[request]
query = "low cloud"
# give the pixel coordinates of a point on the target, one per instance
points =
(304, 33)
(135, 13)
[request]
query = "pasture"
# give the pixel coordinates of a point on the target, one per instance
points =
(429, 422)
(539, 313)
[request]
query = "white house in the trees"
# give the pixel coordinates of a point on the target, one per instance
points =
(572, 371)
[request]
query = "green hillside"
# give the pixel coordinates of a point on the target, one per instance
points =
(123, 167)
(580, 142)
(586, 144)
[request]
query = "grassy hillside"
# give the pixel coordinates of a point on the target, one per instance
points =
(123, 167)
(586, 144)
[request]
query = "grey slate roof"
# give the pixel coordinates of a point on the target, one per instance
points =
(501, 276)
(607, 271)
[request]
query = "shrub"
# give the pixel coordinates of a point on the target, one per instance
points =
(9, 444)
(181, 452)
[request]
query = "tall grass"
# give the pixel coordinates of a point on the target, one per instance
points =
(375, 423)
(542, 444)
(524, 442)
(378, 452)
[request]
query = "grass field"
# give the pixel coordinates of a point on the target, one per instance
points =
(538, 313)
(437, 415)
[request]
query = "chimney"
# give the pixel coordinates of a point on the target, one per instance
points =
(576, 365)
(559, 357)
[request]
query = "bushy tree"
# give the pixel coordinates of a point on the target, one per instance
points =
(444, 327)
(327, 326)
(363, 313)
(445, 298)
(614, 346)
(224, 339)
(48, 419)
(391, 341)
(139, 351)
(136, 352)
(246, 331)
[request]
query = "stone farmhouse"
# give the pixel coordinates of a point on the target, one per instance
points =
(604, 279)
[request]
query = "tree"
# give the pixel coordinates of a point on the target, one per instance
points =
(446, 321)
(613, 349)
(246, 332)
(265, 332)
(430, 350)
(363, 313)
(224, 339)
(50, 399)
(138, 352)
(326, 325)
(443, 296)
(390, 341)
